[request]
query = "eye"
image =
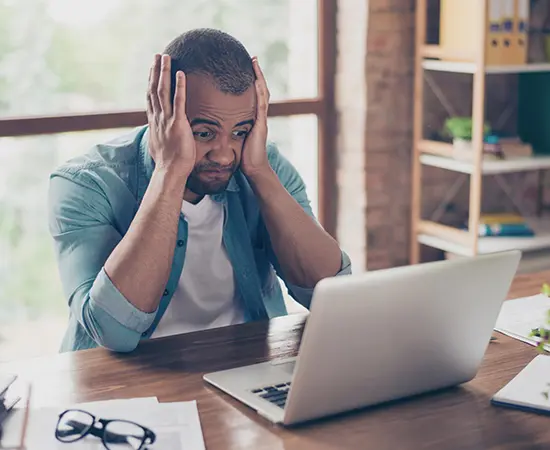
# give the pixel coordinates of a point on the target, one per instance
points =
(203, 135)
(240, 134)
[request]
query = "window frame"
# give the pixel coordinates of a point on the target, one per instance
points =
(322, 106)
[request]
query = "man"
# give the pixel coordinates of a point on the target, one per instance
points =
(185, 223)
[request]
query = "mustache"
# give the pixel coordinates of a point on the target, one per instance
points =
(215, 166)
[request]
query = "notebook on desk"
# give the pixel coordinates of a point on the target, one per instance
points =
(529, 390)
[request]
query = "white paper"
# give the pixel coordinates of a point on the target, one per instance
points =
(527, 387)
(176, 425)
(518, 317)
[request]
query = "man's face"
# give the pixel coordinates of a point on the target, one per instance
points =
(220, 124)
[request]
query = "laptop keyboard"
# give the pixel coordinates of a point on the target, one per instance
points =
(275, 394)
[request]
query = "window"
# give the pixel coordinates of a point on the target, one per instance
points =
(30, 290)
(74, 74)
(71, 57)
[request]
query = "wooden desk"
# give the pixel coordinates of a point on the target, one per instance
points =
(171, 369)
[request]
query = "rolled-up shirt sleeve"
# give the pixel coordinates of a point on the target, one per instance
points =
(303, 295)
(80, 222)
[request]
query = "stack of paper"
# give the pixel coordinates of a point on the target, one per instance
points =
(176, 425)
(519, 317)
(528, 390)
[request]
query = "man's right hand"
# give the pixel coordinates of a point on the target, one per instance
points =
(171, 141)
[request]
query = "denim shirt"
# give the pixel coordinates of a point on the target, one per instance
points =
(92, 201)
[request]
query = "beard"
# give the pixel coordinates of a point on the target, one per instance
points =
(210, 178)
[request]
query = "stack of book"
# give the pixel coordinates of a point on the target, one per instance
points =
(504, 225)
(495, 148)
(514, 147)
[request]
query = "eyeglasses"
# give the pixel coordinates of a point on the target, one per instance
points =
(75, 424)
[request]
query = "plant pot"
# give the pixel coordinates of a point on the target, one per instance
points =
(463, 150)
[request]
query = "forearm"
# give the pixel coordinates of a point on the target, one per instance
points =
(140, 265)
(306, 252)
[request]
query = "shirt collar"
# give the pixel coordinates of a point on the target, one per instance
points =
(147, 165)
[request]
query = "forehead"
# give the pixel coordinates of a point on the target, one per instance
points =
(205, 100)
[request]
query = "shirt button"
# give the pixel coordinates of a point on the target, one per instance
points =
(144, 334)
(165, 293)
(180, 243)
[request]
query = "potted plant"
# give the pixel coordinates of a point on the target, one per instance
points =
(459, 130)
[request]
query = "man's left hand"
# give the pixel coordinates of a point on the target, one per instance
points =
(254, 158)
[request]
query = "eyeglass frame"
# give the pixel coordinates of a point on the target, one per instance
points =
(149, 435)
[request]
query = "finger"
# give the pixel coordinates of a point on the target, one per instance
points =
(260, 76)
(262, 102)
(153, 85)
(164, 86)
(180, 95)
(262, 93)
(149, 108)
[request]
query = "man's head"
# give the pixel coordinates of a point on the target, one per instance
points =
(221, 102)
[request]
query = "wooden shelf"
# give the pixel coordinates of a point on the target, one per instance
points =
(443, 241)
(435, 148)
(488, 167)
(470, 67)
(437, 52)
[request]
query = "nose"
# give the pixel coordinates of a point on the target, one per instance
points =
(222, 152)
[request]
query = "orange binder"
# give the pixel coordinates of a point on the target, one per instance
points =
(520, 39)
(495, 33)
(508, 21)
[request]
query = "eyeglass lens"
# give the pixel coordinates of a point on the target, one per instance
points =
(73, 425)
(122, 435)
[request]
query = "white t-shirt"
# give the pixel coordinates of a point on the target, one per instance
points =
(206, 295)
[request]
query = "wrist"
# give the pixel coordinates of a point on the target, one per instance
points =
(264, 183)
(170, 180)
(261, 175)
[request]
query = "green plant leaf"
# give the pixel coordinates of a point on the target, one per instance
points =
(461, 127)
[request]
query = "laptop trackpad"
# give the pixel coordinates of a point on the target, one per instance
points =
(286, 364)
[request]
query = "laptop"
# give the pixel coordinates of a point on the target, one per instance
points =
(379, 336)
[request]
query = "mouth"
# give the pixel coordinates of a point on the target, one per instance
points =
(216, 173)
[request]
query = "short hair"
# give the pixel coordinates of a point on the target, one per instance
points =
(213, 53)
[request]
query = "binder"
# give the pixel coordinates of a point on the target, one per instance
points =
(508, 22)
(495, 34)
(521, 29)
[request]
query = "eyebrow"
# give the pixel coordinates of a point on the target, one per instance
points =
(245, 122)
(200, 120)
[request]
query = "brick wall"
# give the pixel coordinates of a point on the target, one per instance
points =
(389, 71)
(375, 101)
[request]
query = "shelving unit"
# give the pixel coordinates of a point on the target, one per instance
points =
(440, 154)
